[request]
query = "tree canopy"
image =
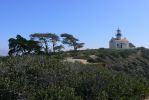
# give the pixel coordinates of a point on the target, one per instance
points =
(42, 42)
(71, 41)
(43, 39)
(46, 39)
(21, 46)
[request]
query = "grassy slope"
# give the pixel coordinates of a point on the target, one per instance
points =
(120, 75)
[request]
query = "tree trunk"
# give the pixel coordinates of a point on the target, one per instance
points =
(46, 47)
(75, 48)
(54, 44)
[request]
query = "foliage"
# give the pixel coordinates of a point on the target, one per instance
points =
(71, 41)
(21, 46)
(48, 77)
(40, 44)
(5, 92)
(54, 39)
(57, 93)
(58, 48)
(43, 38)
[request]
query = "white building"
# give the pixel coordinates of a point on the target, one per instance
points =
(119, 42)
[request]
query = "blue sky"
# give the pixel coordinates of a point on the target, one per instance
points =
(94, 22)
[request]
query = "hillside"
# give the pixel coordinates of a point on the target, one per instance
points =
(130, 61)
(109, 75)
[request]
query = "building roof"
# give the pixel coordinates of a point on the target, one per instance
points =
(131, 45)
(120, 40)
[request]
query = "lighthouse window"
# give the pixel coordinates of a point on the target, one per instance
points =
(121, 45)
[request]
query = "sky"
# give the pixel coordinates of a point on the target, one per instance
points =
(94, 22)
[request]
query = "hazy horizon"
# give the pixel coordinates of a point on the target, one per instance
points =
(94, 22)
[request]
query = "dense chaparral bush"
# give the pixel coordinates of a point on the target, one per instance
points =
(42, 77)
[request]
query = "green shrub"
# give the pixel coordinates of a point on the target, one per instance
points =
(44, 77)
(56, 93)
